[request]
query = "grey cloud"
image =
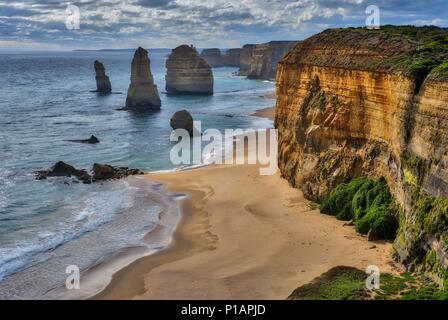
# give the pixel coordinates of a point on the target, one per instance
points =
(157, 3)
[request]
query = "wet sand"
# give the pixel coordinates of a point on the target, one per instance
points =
(242, 236)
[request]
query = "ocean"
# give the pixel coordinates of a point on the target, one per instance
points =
(45, 100)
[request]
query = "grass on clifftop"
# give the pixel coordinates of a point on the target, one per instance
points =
(368, 203)
(347, 283)
(431, 55)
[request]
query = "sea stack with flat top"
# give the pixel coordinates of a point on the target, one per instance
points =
(142, 92)
(102, 81)
(188, 73)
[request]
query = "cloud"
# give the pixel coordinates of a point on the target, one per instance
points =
(221, 23)
(157, 3)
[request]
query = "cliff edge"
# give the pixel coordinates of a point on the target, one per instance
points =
(260, 61)
(372, 103)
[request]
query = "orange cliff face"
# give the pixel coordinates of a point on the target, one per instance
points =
(342, 113)
(429, 135)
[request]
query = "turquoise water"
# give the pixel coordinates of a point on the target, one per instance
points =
(44, 101)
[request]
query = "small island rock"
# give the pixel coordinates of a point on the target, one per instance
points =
(62, 169)
(182, 120)
(102, 80)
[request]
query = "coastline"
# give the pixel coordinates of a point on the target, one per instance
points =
(99, 275)
(234, 242)
(96, 278)
(217, 249)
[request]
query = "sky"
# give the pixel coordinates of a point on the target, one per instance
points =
(51, 24)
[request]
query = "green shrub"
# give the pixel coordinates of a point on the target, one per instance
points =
(380, 220)
(339, 203)
(369, 203)
(410, 160)
(361, 200)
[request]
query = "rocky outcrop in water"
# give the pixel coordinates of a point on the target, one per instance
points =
(108, 172)
(100, 172)
(187, 72)
(91, 140)
(357, 102)
(213, 57)
(232, 57)
(182, 120)
(102, 80)
(62, 169)
(264, 59)
(142, 92)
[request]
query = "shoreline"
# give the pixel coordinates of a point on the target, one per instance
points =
(97, 278)
(214, 251)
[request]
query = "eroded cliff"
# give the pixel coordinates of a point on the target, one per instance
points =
(213, 57)
(353, 103)
(260, 61)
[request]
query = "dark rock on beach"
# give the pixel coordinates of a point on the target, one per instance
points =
(102, 80)
(182, 120)
(91, 140)
(62, 169)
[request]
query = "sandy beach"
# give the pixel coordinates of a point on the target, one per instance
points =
(243, 236)
(265, 113)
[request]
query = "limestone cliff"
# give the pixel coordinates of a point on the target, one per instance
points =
(353, 102)
(232, 57)
(264, 59)
(187, 72)
(213, 57)
(142, 92)
(245, 59)
(102, 80)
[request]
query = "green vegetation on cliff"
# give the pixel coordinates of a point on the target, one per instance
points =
(417, 238)
(430, 55)
(429, 226)
(368, 203)
(348, 283)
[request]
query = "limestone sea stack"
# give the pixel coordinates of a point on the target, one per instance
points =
(187, 72)
(102, 81)
(213, 57)
(142, 92)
